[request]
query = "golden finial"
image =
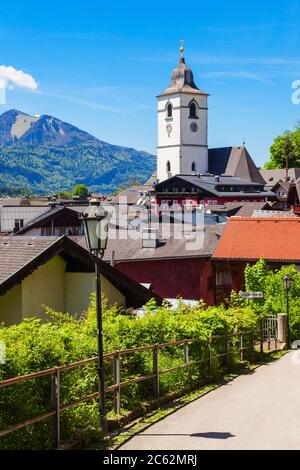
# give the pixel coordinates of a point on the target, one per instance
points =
(181, 42)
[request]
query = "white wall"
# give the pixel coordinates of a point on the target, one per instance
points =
(8, 214)
(181, 147)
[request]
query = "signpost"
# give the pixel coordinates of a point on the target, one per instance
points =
(252, 295)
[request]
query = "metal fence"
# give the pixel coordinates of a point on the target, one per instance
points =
(237, 343)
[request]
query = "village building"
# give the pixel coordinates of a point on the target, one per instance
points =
(187, 171)
(59, 220)
(172, 267)
(246, 240)
(58, 273)
(272, 177)
(15, 213)
(293, 197)
(193, 190)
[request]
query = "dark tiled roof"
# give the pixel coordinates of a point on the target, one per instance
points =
(234, 161)
(272, 177)
(209, 184)
(131, 249)
(48, 215)
(20, 256)
(17, 252)
(248, 208)
(132, 194)
(218, 159)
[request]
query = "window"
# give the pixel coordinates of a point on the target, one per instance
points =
(193, 114)
(193, 166)
(168, 167)
(169, 110)
(19, 223)
(224, 278)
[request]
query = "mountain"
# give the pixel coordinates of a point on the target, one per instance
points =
(45, 155)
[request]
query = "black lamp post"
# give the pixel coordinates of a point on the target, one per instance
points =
(287, 281)
(95, 224)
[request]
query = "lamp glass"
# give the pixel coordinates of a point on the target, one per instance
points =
(102, 233)
(95, 223)
(287, 282)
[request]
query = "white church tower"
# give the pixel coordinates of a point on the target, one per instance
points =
(182, 126)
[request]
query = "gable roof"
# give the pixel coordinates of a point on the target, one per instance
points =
(47, 216)
(168, 248)
(271, 177)
(234, 161)
(20, 256)
(249, 239)
(210, 184)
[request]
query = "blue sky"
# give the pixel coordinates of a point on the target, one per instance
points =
(99, 65)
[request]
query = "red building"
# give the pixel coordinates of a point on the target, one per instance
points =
(169, 266)
(193, 190)
(246, 240)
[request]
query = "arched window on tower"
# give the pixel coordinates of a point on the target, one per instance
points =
(169, 110)
(193, 111)
(168, 167)
(193, 166)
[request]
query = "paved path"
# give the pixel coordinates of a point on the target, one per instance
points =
(260, 410)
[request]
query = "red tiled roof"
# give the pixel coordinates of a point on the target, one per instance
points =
(247, 238)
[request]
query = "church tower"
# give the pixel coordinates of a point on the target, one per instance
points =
(182, 126)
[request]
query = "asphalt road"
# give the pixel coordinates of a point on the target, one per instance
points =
(260, 410)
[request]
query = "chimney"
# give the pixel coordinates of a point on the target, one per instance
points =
(150, 238)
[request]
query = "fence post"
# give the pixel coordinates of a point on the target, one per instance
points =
(269, 339)
(261, 337)
(117, 392)
(209, 360)
(186, 353)
(252, 345)
(241, 347)
(55, 389)
(155, 372)
(227, 353)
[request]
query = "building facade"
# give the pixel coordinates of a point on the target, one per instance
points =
(182, 126)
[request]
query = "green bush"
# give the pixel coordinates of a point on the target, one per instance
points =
(259, 278)
(33, 346)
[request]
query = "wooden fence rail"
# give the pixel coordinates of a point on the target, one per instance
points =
(55, 373)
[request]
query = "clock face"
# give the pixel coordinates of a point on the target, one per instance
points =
(194, 126)
(169, 129)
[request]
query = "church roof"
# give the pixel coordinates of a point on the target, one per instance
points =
(234, 161)
(182, 80)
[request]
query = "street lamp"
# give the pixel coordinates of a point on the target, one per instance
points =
(287, 281)
(95, 224)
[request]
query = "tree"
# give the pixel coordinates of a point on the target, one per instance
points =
(287, 144)
(80, 191)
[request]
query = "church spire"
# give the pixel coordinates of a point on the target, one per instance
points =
(182, 79)
(181, 49)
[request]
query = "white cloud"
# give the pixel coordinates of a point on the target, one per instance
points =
(11, 78)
